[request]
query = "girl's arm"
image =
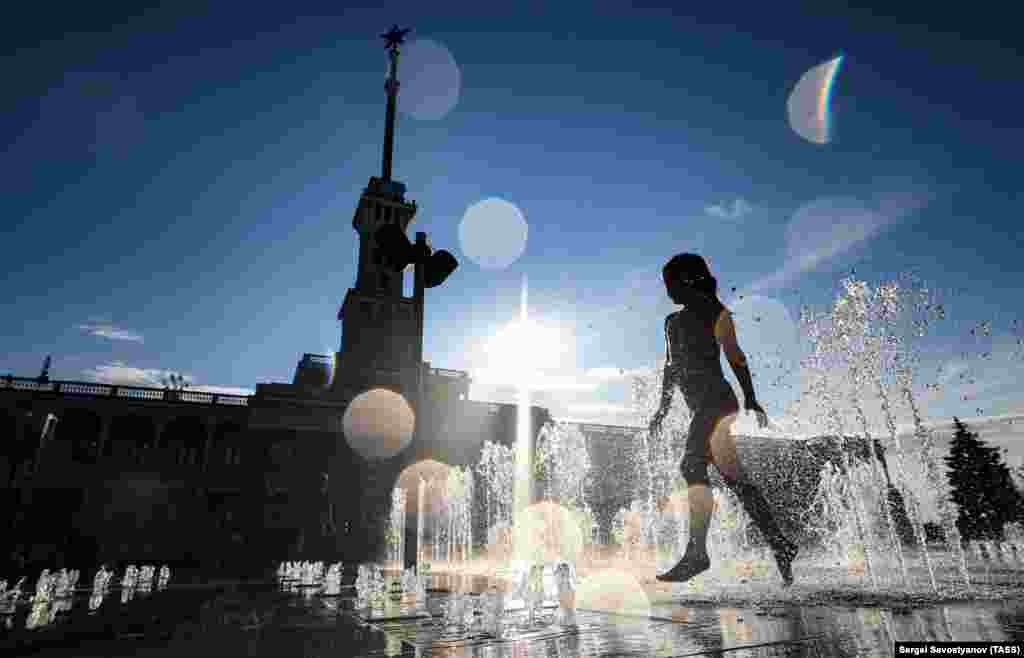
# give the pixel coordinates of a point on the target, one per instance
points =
(725, 332)
(668, 379)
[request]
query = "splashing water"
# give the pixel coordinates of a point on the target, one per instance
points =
(496, 473)
(444, 527)
(396, 528)
(832, 516)
(823, 360)
(863, 352)
(858, 373)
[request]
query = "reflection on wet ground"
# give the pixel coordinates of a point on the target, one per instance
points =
(261, 620)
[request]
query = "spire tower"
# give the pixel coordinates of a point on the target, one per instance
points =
(392, 39)
(381, 328)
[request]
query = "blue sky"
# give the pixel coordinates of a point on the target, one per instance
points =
(179, 183)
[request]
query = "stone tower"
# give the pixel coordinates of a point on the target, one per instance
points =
(381, 341)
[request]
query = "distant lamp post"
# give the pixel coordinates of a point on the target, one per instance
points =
(45, 436)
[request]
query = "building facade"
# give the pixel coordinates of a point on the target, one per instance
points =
(102, 472)
(95, 472)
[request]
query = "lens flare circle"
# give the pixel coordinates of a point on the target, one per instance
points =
(614, 592)
(428, 470)
(807, 107)
(430, 80)
(378, 423)
(493, 233)
(768, 335)
(547, 532)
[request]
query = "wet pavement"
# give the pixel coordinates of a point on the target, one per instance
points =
(259, 619)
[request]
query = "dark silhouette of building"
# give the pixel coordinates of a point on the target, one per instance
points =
(137, 473)
(241, 482)
(134, 473)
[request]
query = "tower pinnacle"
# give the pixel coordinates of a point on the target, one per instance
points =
(392, 39)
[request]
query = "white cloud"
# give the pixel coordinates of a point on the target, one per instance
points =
(222, 390)
(950, 371)
(600, 409)
(120, 373)
(828, 227)
(736, 210)
(570, 395)
(944, 425)
(978, 379)
(104, 328)
(552, 381)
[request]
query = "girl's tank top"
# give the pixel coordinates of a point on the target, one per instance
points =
(693, 353)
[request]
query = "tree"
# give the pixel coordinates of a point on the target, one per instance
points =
(174, 382)
(1018, 478)
(981, 486)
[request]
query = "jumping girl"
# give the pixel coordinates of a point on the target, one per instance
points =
(694, 337)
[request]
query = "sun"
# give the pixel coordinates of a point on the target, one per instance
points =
(523, 348)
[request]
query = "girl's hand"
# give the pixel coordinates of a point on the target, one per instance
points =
(762, 417)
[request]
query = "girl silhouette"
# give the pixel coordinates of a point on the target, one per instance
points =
(694, 336)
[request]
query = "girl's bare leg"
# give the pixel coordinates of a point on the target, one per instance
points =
(703, 430)
(702, 502)
(701, 499)
(702, 505)
(723, 448)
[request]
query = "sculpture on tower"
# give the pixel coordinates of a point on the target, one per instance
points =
(394, 37)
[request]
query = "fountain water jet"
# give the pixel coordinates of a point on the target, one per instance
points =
(856, 357)
(396, 528)
(862, 343)
(819, 359)
(521, 490)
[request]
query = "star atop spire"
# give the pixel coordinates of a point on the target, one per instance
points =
(394, 37)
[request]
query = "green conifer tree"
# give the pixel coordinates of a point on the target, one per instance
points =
(981, 486)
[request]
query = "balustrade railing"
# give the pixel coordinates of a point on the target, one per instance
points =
(445, 372)
(129, 392)
(140, 393)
